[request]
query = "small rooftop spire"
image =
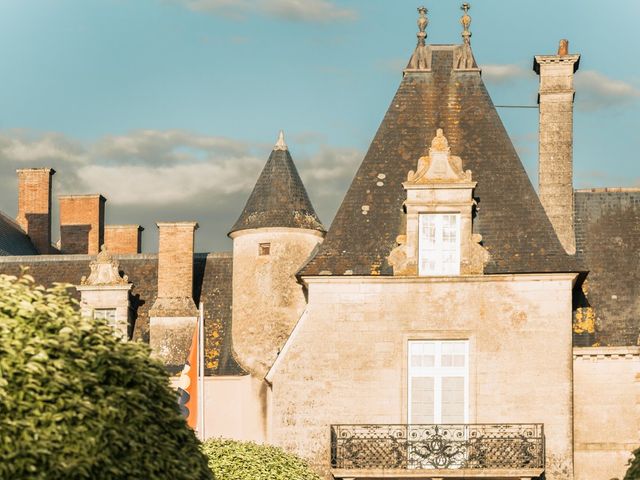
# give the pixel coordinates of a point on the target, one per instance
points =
(280, 145)
(421, 58)
(423, 21)
(465, 21)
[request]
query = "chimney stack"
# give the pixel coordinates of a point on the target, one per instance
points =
(123, 238)
(34, 206)
(173, 316)
(81, 223)
(555, 141)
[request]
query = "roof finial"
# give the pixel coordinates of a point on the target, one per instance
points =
(423, 21)
(280, 145)
(465, 21)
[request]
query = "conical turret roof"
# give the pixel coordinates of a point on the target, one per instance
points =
(444, 90)
(279, 198)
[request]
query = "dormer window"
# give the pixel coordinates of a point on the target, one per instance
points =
(438, 238)
(439, 244)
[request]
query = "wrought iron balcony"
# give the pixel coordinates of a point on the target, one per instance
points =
(440, 447)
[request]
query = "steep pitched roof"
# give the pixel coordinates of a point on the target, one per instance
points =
(607, 225)
(510, 218)
(279, 198)
(13, 240)
(212, 284)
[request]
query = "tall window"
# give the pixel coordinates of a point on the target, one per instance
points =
(439, 244)
(438, 381)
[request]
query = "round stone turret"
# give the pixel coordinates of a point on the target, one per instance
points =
(274, 236)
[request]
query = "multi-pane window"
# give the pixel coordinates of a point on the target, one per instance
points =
(439, 244)
(438, 381)
(109, 314)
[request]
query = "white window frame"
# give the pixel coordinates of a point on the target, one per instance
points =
(440, 248)
(437, 372)
(120, 328)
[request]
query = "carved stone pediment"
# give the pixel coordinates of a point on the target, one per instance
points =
(104, 271)
(439, 165)
(439, 185)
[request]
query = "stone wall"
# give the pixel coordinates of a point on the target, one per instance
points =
(347, 362)
(267, 298)
(606, 410)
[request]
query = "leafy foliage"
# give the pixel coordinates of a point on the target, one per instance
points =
(77, 403)
(633, 473)
(233, 460)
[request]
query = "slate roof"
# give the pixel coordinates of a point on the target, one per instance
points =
(510, 217)
(607, 226)
(279, 198)
(212, 285)
(13, 240)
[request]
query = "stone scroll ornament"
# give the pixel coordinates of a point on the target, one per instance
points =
(104, 271)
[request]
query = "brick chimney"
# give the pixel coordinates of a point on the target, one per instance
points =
(555, 158)
(34, 206)
(174, 314)
(123, 238)
(81, 223)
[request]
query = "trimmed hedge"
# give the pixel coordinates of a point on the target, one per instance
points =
(233, 460)
(77, 403)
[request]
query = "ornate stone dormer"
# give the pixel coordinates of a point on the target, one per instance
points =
(439, 209)
(105, 294)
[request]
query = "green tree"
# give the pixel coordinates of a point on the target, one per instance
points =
(233, 460)
(633, 473)
(77, 403)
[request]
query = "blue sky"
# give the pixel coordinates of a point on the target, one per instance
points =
(170, 107)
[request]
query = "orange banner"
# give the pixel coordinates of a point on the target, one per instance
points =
(188, 384)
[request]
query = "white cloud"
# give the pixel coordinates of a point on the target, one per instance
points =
(22, 147)
(316, 11)
(504, 73)
(595, 91)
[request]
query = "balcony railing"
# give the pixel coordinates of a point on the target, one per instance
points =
(468, 446)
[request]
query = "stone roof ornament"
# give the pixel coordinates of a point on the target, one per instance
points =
(463, 59)
(104, 271)
(563, 48)
(280, 145)
(439, 165)
(423, 21)
(421, 58)
(465, 21)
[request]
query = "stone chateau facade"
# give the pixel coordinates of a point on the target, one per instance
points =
(451, 323)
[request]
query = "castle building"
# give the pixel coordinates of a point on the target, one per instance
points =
(450, 323)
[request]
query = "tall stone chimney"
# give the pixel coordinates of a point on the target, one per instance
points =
(81, 223)
(173, 316)
(34, 205)
(555, 160)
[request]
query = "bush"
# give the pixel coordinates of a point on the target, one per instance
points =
(233, 460)
(77, 403)
(633, 473)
